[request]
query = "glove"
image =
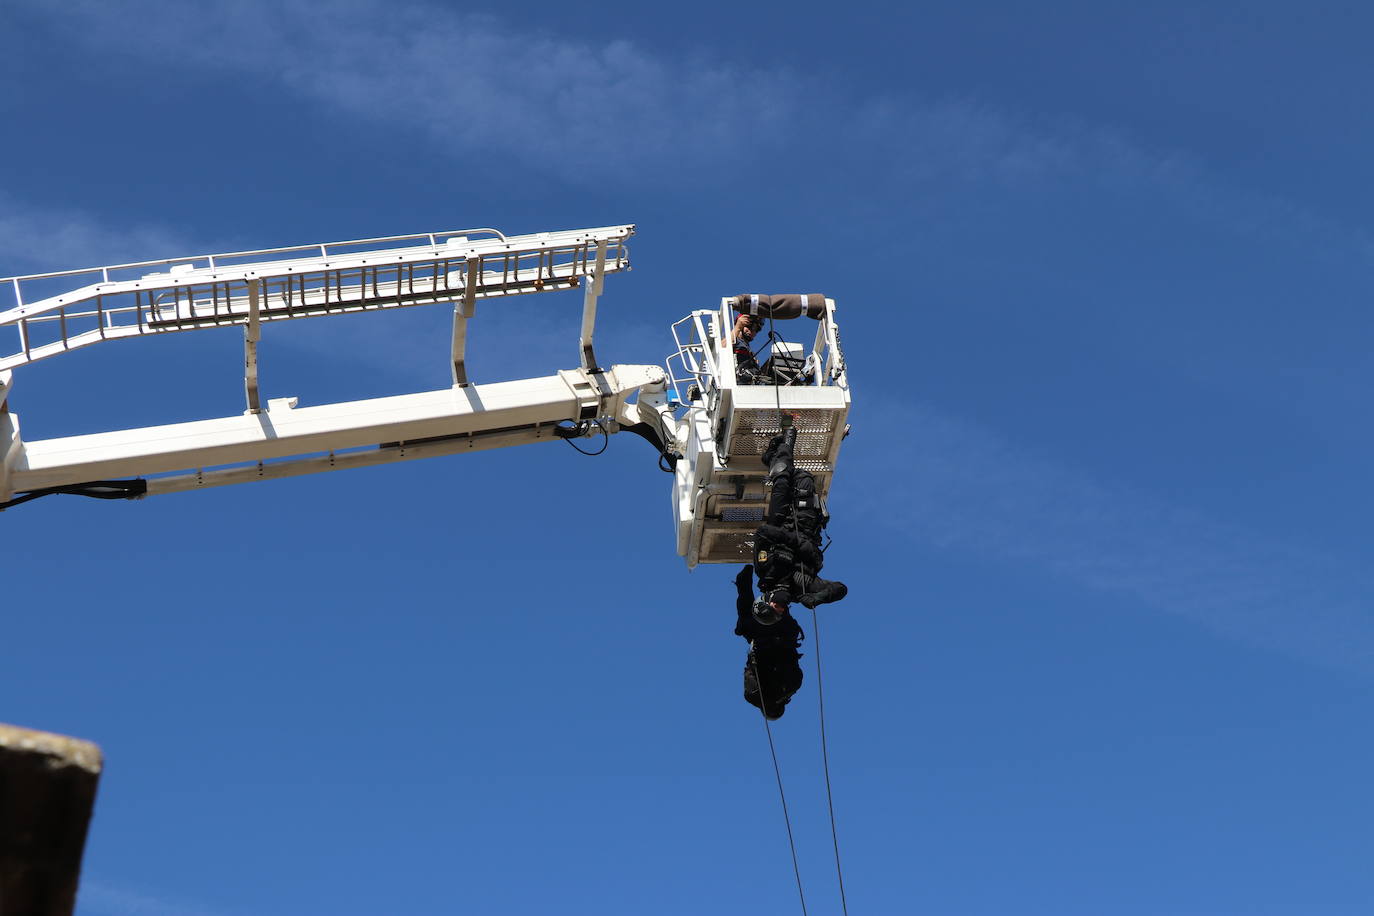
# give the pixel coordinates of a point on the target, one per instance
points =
(745, 576)
(809, 601)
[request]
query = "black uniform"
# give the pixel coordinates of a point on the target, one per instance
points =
(772, 672)
(787, 546)
(747, 369)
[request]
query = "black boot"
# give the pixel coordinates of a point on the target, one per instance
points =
(778, 456)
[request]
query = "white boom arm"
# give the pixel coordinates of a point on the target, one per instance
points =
(247, 288)
(285, 441)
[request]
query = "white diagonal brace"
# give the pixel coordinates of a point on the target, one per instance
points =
(11, 446)
(590, 293)
(252, 333)
(462, 311)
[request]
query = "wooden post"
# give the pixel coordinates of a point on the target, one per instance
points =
(47, 790)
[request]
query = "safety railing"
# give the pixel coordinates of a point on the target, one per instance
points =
(694, 363)
(821, 365)
(42, 315)
(704, 359)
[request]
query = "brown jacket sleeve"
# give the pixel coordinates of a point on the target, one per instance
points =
(788, 305)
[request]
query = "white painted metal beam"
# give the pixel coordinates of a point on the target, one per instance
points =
(474, 442)
(252, 333)
(282, 432)
(462, 311)
(11, 446)
(591, 292)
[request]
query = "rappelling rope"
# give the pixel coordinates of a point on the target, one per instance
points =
(816, 642)
(825, 756)
(777, 771)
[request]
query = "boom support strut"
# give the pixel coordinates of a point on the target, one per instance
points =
(284, 441)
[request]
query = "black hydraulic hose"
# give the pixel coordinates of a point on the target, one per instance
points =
(569, 433)
(95, 489)
(666, 460)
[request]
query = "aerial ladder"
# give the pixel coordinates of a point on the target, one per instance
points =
(709, 429)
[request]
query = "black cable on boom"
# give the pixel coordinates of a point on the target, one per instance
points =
(569, 433)
(95, 489)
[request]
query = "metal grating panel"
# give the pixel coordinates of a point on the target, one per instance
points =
(727, 545)
(815, 431)
(726, 532)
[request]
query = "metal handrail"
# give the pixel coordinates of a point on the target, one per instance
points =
(210, 258)
(697, 359)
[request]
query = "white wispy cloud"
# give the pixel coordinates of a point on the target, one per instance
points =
(593, 110)
(36, 238)
(584, 108)
(568, 105)
(956, 486)
(98, 898)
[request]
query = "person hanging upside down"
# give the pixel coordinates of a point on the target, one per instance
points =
(772, 670)
(787, 558)
(787, 546)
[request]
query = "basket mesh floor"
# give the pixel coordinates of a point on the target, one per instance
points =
(755, 428)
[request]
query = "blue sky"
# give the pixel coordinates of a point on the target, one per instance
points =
(1104, 274)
